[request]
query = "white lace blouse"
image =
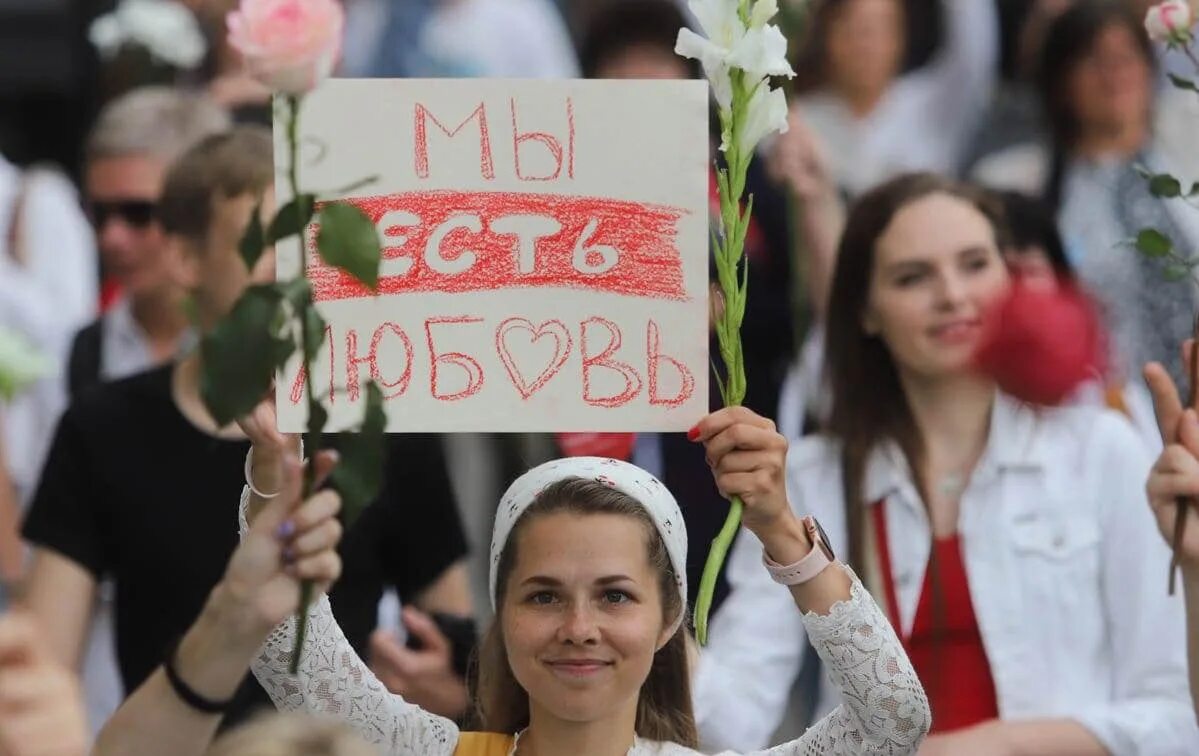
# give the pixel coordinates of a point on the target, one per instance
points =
(883, 707)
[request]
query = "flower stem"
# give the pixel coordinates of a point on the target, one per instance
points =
(730, 253)
(313, 442)
(716, 557)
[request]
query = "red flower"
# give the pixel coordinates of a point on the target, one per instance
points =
(1041, 344)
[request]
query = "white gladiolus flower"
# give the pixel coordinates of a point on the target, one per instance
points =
(761, 52)
(714, 61)
(763, 11)
(167, 29)
(766, 114)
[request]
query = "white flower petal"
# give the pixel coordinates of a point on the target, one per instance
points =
(761, 52)
(712, 58)
(719, 20)
(766, 114)
(763, 11)
(691, 45)
(722, 84)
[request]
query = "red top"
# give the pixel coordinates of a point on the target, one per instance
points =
(945, 645)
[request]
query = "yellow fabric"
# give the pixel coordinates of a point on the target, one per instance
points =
(484, 744)
(1114, 398)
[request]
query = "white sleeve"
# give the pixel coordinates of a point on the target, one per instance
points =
(1151, 709)
(754, 653)
(883, 706)
(956, 85)
(547, 51)
(332, 680)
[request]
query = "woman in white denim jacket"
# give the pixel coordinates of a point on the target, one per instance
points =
(1044, 510)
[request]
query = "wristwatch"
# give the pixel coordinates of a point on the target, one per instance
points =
(820, 557)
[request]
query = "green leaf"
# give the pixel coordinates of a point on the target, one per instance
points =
(241, 354)
(1165, 185)
(1153, 243)
(1183, 82)
(287, 223)
(1175, 273)
(253, 241)
(1194, 189)
(359, 475)
(298, 293)
(348, 240)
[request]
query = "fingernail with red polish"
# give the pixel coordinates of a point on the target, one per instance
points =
(693, 433)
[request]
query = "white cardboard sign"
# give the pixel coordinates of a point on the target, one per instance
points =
(545, 250)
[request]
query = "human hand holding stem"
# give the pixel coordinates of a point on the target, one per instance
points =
(740, 51)
(1169, 409)
(728, 244)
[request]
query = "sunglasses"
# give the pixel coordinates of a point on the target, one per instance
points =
(137, 214)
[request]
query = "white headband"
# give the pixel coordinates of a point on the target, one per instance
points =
(647, 490)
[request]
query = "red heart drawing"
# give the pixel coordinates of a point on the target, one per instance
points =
(553, 328)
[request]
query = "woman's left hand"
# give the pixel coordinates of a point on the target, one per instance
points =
(748, 457)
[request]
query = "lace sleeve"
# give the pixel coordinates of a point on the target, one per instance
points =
(334, 681)
(883, 707)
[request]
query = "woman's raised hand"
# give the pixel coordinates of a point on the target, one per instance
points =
(265, 472)
(748, 457)
(290, 541)
(1175, 476)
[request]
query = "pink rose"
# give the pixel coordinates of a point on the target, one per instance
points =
(288, 45)
(1170, 21)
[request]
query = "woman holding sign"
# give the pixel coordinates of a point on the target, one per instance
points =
(1008, 542)
(588, 653)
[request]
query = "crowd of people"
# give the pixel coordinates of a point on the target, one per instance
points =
(932, 565)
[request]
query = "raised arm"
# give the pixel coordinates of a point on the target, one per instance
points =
(957, 84)
(261, 586)
(332, 680)
(884, 708)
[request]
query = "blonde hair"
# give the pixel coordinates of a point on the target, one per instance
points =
(278, 734)
(158, 122)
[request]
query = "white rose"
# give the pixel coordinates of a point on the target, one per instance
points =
(1170, 21)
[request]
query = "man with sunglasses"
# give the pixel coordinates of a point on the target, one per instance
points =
(127, 153)
(128, 150)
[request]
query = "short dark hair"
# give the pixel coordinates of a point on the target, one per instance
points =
(1029, 222)
(236, 162)
(618, 25)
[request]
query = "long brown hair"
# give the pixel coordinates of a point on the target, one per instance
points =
(664, 710)
(869, 404)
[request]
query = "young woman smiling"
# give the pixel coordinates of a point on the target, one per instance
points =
(1009, 542)
(588, 652)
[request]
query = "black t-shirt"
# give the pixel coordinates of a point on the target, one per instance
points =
(133, 491)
